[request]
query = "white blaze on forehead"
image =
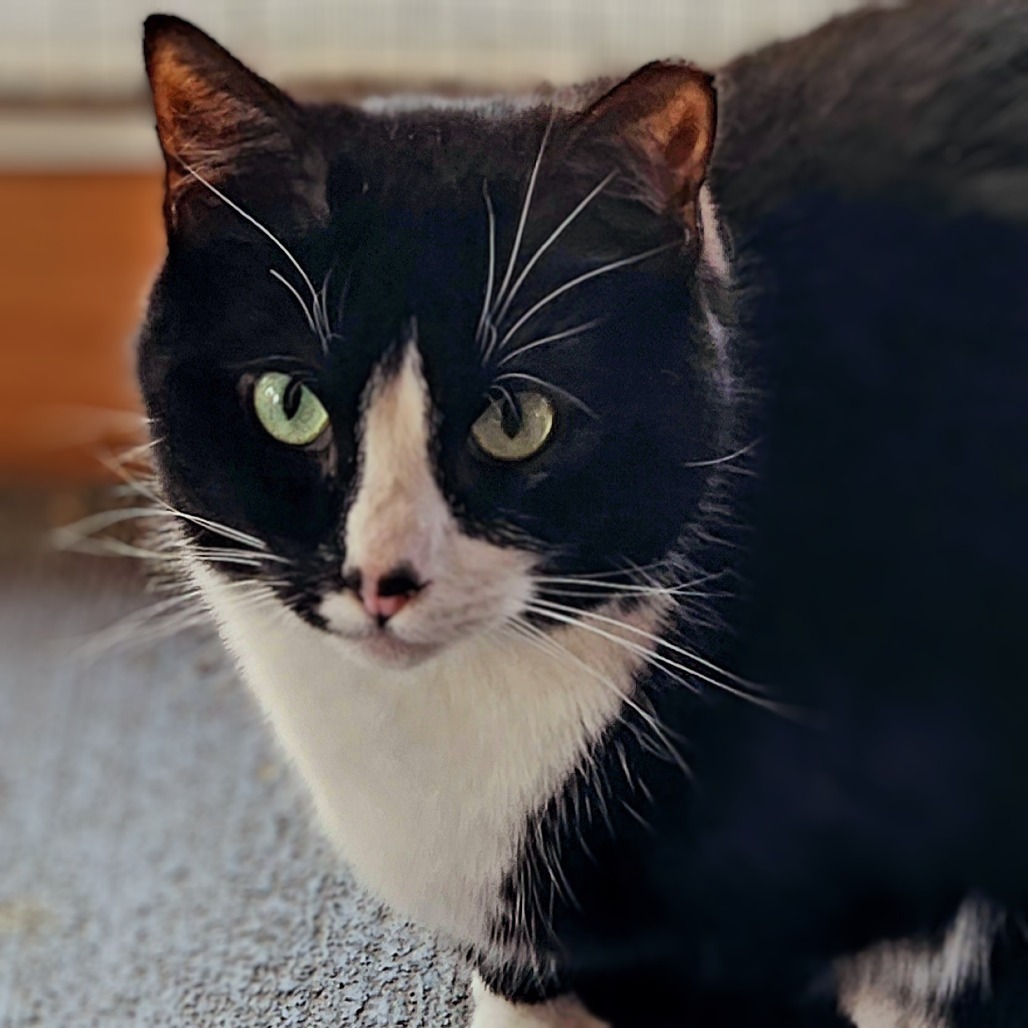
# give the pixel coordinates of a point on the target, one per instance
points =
(399, 515)
(400, 521)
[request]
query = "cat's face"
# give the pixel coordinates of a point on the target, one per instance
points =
(416, 371)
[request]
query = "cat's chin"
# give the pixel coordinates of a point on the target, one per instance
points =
(387, 650)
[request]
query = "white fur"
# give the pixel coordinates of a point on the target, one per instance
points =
(910, 983)
(399, 516)
(425, 753)
(492, 1011)
(713, 252)
(875, 1009)
(424, 777)
(714, 257)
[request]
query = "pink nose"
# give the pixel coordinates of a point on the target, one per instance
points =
(384, 596)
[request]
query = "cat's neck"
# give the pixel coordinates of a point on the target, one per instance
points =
(425, 778)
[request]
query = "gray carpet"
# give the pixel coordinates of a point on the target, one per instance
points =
(159, 865)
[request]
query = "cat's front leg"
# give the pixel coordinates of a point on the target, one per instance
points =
(493, 1011)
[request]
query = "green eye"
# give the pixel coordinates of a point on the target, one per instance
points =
(514, 435)
(288, 410)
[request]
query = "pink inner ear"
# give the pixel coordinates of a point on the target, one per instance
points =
(200, 126)
(670, 112)
(209, 106)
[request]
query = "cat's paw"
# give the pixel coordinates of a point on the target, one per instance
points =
(493, 1011)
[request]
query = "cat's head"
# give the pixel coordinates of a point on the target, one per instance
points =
(415, 370)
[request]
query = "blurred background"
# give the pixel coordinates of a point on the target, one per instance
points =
(156, 863)
(79, 181)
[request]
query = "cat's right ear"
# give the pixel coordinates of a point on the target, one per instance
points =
(667, 111)
(219, 124)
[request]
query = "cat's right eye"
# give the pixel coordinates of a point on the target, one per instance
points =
(515, 433)
(288, 410)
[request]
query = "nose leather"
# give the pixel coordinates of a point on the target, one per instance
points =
(382, 608)
(384, 595)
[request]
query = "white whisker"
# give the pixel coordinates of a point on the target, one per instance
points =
(483, 318)
(256, 560)
(570, 397)
(132, 454)
(588, 591)
(557, 337)
(742, 451)
(579, 280)
(299, 299)
(506, 394)
(564, 653)
(68, 535)
(525, 206)
(131, 629)
(219, 529)
(311, 317)
(659, 640)
(573, 615)
(553, 612)
(655, 588)
(553, 237)
(186, 609)
(234, 534)
(322, 308)
(72, 536)
(614, 594)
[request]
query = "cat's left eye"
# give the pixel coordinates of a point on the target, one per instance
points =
(515, 431)
(288, 410)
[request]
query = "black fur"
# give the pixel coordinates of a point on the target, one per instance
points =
(873, 177)
(871, 571)
(412, 249)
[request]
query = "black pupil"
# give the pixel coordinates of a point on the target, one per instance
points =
(291, 398)
(511, 416)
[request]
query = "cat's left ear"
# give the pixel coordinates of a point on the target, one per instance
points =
(668, 112)
(218, 122)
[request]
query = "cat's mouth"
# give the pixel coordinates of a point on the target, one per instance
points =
(383, 647)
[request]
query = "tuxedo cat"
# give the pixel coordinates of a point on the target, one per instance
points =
(639, 596)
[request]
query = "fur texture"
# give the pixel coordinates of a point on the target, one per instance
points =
(723, 684)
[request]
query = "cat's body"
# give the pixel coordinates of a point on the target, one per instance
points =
(723, 682)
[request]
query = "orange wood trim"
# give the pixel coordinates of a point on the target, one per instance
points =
(77, 254)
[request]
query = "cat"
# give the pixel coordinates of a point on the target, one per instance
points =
(615, 499)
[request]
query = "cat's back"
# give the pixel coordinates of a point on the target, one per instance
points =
(874, 177)
(879, 215)
(927, 100)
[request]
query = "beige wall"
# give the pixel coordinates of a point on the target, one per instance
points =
(92, 45)
(58, 50)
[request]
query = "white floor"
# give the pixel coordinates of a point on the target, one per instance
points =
(158, 865)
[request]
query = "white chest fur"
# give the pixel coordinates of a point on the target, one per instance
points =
(424, 778)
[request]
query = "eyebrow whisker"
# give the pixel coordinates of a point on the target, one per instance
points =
(311, 312)
(557, 337)
(579, 280)
(525, 207)
(554, 236)
(483, 319)
(570, 397)
(281, 278)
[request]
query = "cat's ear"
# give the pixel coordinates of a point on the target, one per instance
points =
(668, 111)
(218, 121)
